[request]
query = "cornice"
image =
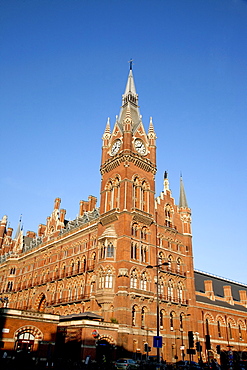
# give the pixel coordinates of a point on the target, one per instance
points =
(141, 162)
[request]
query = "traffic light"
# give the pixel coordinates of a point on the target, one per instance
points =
(208, 344)
(218, 349)
(191, 339)
(198, 347)
(146, 348)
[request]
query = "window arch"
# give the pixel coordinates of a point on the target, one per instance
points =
(161, 258)
(144, 233)
(134, 229)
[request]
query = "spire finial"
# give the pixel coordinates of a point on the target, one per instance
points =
(182, 197)
(131, 64)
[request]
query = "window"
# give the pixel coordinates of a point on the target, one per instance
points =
(162, 318)
(170, 290)
(143, 314)
(110, 250)
(144, 233)
(180, 293)
(133, 315)
(219, 328)
(133, 251)
(178, 265)
(171, 320)
(144, 281)
(169, 263)
(168, 216)
(134, 230)
(240, 332)
(160, 287)
(181, 321)
(108, 279)
(143, 253)
(230, 330)
(207, 327)
(133, 279)
(102, 251)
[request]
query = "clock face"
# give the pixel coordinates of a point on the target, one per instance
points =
(115, 147)
(140, 146)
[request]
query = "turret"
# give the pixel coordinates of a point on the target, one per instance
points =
(3, 225)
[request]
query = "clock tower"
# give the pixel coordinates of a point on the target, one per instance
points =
(126, 234)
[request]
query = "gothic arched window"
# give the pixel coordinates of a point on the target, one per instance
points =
(170, 290)
(108, 279)
(180, 293)
(134, 308)
(133, 279)
(143, 253)
(143, 284)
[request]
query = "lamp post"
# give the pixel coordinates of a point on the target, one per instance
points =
(182, 330)
(157, 307)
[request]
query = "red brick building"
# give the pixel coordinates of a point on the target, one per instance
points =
(89, 286)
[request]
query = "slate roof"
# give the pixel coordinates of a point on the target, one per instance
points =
(218, 284)
(82, 316)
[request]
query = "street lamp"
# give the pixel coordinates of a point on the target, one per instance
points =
(182, 329)
(158, 307)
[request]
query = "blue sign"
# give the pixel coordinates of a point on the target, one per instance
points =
(157, 342)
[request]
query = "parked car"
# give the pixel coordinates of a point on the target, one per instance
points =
(126, 364)
(182, 365)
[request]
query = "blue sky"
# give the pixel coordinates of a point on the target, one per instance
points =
(63, 70)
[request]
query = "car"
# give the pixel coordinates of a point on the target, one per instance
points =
(126, 364)
(182, 365)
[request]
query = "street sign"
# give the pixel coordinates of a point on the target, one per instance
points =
(157, 342)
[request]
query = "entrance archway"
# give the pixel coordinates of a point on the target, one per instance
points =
(104, 351)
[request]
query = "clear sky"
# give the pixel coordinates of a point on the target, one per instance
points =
(63, 70)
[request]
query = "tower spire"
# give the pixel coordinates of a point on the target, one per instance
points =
(182, 198)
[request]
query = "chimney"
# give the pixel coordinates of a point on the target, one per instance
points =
(243, 297)
(31, 234)
(92, 202)
(57, 203)
(228, 293)
(209, 291)
(62, 215)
